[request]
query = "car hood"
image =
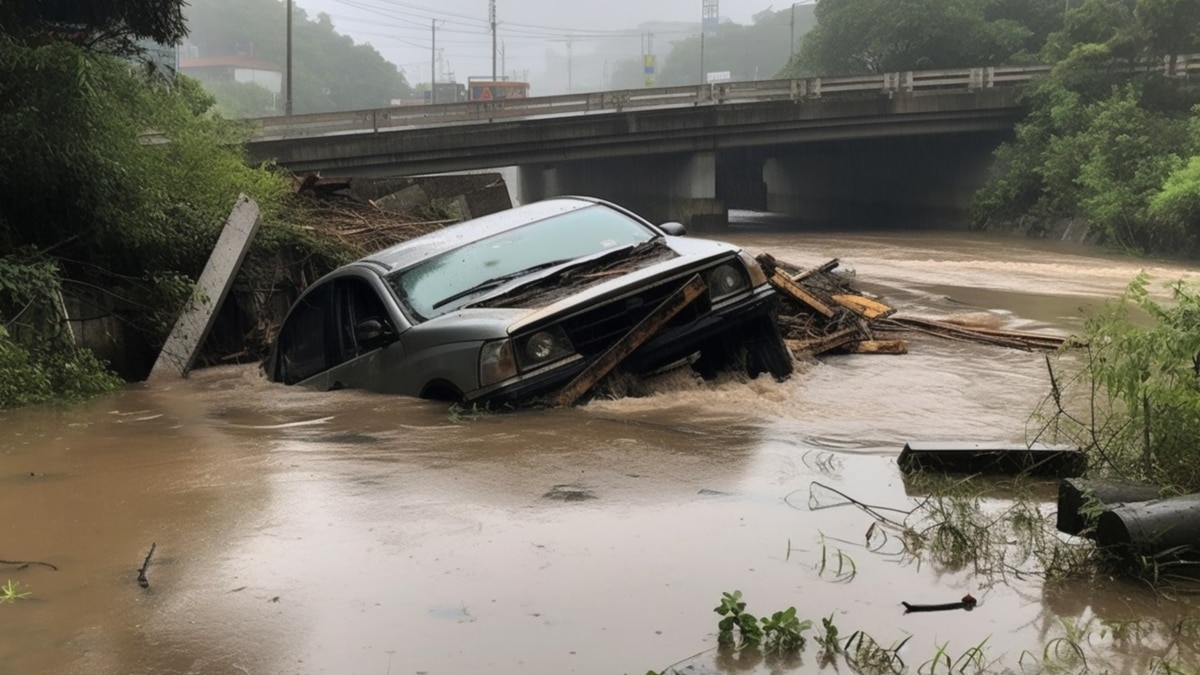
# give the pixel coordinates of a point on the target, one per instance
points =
(484, 320)
(691, 254)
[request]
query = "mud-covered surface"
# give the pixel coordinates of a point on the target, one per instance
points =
(343, 532)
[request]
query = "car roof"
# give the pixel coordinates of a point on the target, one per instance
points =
(415, 250)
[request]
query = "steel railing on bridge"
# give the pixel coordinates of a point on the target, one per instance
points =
(799, 90)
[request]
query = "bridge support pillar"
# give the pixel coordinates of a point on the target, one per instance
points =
(661, 188)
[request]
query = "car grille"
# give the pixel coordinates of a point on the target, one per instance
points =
(594, 330)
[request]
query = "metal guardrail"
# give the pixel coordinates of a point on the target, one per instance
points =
(475, 112)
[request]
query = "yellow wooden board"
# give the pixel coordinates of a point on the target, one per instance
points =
(864, 307)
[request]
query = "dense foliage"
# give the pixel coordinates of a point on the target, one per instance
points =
(113, 26)
(747, 52)
(1108, 140)
(879, 36)
(329, 71)
(1129, 391)
(119, 182)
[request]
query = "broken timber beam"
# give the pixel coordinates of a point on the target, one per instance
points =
(878, 347)
(643, 331)
(825, 343)
(784, 284)
(863, 306)
(823, 269)
(187, 337)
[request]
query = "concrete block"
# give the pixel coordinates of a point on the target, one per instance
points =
(178, 355)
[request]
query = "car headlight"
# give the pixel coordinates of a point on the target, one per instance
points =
(496, 362)
(726, 280)
(544, 346)
(757, 276)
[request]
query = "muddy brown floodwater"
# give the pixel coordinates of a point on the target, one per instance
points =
(342, 532)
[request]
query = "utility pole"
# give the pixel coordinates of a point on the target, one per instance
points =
(492, 18)
(793, 51)
(287, 105)
(432, 61)
(710, 17)
(569, 66)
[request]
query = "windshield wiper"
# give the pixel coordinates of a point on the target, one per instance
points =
(495, 282)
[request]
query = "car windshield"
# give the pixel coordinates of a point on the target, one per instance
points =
(455, 278)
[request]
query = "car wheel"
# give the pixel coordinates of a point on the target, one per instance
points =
(715, 356)
(766, 352)
(440, 390)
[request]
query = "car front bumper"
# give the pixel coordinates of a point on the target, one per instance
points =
(725, 323)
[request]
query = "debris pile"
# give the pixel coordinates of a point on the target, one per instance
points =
(822, 312)
(366, 225)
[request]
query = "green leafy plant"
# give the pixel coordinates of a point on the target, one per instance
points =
(1128, 390)
(12, 591)
(783, 632)
(828, 638)
(866, 655)
(734, 616)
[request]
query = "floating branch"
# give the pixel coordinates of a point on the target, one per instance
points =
(142, 580)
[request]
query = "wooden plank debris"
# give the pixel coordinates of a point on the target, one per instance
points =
(785, 284)
(878, 347)
(178, 354)
(647, 328)
(821, 311)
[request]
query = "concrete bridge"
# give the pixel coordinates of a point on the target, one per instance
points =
(897, 148)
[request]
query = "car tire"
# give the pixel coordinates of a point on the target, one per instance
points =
(766, 352)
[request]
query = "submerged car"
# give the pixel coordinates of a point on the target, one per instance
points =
(511, 307)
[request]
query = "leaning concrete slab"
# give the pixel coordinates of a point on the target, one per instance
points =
(179, 353)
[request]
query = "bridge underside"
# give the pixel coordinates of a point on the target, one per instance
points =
(921, 181)
(852, 162)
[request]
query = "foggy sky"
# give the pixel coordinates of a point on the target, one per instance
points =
(527, 29)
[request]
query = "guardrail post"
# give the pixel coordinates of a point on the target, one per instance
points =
(374, 122)
(799, 90)
(814, 87)
(990, 75)
(908, 81)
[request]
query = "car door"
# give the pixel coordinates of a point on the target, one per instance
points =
(366, 348)
(303, 346)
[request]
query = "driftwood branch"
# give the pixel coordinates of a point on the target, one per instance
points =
(22, 564)
(142, 580)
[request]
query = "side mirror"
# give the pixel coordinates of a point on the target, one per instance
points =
(373, 333)
(674, 229)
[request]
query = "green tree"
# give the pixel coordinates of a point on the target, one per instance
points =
(875, 36)
(1171, 27)
(748, 52)
(123, 182)
(114, 26)
(1106, 139)
(1131, 391)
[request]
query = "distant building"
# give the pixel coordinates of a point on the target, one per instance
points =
(237, 68)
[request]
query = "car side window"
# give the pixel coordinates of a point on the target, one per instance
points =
(303, 339)
(358, 303)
